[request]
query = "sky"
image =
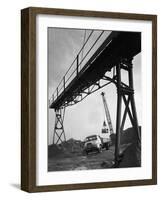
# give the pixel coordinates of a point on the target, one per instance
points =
(86, 117)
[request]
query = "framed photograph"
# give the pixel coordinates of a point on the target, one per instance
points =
(88, 99)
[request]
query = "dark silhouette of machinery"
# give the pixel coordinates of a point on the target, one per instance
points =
(108, 117)
(105, 128)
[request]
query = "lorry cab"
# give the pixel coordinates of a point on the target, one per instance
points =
(92, 143)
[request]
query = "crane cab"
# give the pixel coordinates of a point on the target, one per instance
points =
(104, 128)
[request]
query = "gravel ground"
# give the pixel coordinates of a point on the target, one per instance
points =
(81, 162)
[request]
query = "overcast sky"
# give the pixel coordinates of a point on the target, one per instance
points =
(86, 117)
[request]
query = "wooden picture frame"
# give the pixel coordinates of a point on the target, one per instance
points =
(28, 98)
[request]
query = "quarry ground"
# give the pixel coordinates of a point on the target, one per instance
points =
(65, 159)
(93, 160)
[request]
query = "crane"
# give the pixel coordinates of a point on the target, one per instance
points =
(107, 113)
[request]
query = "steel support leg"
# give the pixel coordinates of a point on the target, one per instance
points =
(59, 134)
(125, 92)
(133, 107)
(118, 114)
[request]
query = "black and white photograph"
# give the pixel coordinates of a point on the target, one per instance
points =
(94, 99)
(89, 99)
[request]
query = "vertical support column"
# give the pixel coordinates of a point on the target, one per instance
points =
(135, 119)
(126, 92)
(133, 107)
(118, 120)
(59, 133)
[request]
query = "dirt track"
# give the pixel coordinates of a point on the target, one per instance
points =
(63, 160)
(81, 162)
